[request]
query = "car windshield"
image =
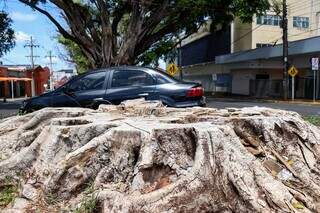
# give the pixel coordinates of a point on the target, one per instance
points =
(67, 81)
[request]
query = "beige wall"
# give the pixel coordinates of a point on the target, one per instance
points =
(273, 34)
(241, 36)
(246, 36)
(241, 79)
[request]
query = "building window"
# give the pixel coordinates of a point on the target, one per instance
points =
(273, 20)
(301, 22)
(259, 45)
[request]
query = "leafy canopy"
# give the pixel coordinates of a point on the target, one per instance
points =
(115, 32)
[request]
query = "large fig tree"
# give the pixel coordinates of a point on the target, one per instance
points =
(115, 32)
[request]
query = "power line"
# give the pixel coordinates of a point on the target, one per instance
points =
(299, 4)
(305, 8)
(274, 41)
(292, 35)
(304, 3)
(31, 44)
(244, 35)
(305, 32)
(50, 56)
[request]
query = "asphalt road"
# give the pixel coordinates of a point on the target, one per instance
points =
(11, 108)
(303, 109)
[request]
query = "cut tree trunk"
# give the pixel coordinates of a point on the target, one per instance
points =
(143, 157)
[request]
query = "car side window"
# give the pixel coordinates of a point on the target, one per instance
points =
(93, 81)
(126, 78)
(163, 78)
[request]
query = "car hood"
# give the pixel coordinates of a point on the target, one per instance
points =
(48, 94)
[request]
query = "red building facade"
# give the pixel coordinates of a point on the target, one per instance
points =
(18, 81)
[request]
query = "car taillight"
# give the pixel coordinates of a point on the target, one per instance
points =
(195, 92)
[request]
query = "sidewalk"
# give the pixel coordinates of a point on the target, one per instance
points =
(266, 100)
(298, 101)
(10, 100)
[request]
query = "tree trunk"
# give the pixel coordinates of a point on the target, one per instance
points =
(142, 157)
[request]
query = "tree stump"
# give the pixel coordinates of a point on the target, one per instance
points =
(143, 157)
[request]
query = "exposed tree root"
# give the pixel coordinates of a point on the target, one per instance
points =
(143, 157)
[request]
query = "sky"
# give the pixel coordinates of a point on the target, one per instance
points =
(26, 23)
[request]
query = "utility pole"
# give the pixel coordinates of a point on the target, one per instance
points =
(180, 60)
(50, 56)
(285, 49)
(31, 44)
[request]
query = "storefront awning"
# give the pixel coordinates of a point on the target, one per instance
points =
(309, 46)
(14, 79)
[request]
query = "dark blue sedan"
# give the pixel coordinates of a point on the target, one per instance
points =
(114, 85)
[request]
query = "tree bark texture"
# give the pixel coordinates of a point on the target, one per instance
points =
(143, 157)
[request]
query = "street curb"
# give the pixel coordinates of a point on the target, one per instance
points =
(317, 103)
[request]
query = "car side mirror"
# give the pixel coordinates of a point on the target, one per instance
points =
(68, 91)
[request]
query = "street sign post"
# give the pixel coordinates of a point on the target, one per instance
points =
(315, 68)
(292, 72)
(172, 69)
(315, 64)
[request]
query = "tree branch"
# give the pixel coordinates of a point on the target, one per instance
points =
(63, 32)
(78, 18)
(118, 15)
(160, 34)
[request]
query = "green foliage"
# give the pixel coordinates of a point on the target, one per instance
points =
(315, 120)
(114, 32)
(276, 6)
(75, 54)
(197, 13)
(7, 41)
(162, 49)
(8, 192)
(51, 199)
(89, 203)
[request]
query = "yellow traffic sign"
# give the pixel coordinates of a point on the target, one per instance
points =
(172, 69)
(293, 71)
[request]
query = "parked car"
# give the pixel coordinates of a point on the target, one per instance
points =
(114, 85)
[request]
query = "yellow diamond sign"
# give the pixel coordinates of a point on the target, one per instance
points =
(172, 69)
(293, 71)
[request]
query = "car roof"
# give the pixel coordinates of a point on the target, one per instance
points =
(122, 68)
(146, 69)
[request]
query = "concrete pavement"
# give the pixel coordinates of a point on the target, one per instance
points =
(10, 108)
(301, 108)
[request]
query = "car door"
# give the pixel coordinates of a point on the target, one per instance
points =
(60, 98)
(126, 84)
(85, 91)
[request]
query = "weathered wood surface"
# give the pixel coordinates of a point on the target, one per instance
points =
(143, 157)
